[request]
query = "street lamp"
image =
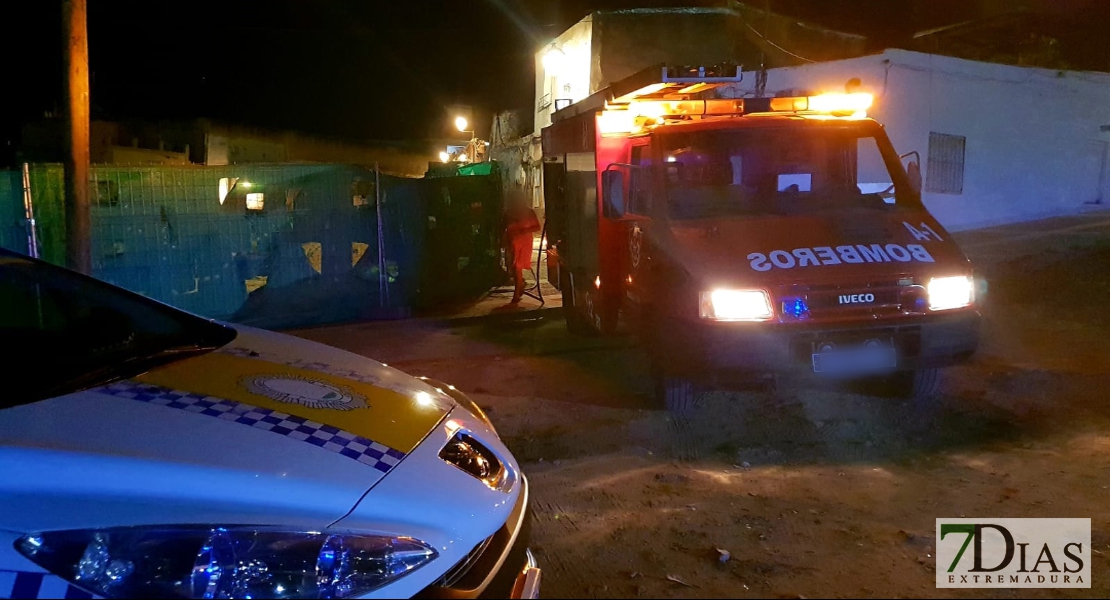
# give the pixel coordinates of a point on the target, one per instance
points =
(471, 148)
(444, 157)
(553, 61)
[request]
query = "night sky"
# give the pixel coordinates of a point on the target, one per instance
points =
(358, 69)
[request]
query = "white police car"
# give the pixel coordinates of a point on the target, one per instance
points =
(146, 452)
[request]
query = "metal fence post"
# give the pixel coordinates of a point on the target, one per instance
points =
(29, 213)
(383, 287)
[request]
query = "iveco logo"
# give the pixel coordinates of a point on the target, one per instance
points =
(857, 298)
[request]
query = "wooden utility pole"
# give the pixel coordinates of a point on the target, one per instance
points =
(76, 53)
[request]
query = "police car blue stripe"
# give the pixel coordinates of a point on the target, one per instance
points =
(366, 451)
(26, 584)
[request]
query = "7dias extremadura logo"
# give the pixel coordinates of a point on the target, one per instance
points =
(1013, 553)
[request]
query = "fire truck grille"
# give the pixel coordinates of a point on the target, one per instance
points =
(848, 301)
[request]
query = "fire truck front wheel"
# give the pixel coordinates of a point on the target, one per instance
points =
(679, 396)
(576, 321)
(918, 385)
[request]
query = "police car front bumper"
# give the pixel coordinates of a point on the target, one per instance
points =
(502, 566)
(757, 348)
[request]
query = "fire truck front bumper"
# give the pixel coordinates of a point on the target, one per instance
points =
(703, 348)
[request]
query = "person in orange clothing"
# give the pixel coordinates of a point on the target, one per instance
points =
(520, 225)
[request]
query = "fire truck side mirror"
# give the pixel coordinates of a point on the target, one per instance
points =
(914, 173)
(913, 170)
(612, 192)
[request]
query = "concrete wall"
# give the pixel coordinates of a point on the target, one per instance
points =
(1034, 144)
(628, 41)
(607, 46)
(128, 155)
(567, 76)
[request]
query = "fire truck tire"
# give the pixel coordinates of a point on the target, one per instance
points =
(678, 396)
(576, 321)
(919, 385)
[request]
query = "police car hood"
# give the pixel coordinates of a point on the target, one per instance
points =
(851, 245)
(268, 429)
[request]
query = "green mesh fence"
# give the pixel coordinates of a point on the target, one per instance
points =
(289, 245)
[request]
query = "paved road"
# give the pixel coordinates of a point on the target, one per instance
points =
(820, 491)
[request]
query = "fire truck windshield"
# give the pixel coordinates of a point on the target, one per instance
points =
(779, 170)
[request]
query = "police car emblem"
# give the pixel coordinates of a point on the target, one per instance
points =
(312, 393)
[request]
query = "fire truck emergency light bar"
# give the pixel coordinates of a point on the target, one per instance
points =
(626, 118)
(660, 82)
(825, 103)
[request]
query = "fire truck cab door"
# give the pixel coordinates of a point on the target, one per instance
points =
(637, 223)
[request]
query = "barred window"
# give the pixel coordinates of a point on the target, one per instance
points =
(946, 164)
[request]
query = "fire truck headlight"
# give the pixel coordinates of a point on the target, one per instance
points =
(949, 292)
(736, 305)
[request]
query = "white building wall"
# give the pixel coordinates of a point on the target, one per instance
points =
(568, 76)
(1034, 144)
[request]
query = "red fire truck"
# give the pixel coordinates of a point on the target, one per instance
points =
(748, 238)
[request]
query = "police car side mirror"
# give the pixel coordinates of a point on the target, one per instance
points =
(612, 191)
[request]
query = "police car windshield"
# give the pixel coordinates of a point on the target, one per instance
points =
(776, 170)
(66, 332)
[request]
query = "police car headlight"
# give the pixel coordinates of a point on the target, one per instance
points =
(949, 292)
(217, 562)
(736, 305)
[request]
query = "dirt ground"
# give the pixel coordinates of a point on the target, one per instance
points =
(817, 491)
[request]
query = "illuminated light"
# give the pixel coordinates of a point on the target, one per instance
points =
(724, 107)
(553, 61)
(671, 159)
(424, 399)
(597, 282)
(647, 90)
(693, 89)
(736, 305)
(949, 292)
(842, 103)
(246, 184)
(616, 121)
(651, 110)
(793, 104)
(461, 123)
(255, 201)
(795, 307)
(629, 279)
(444, 157)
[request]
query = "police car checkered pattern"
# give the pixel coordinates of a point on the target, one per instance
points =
(23, 584)
(365, 451)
